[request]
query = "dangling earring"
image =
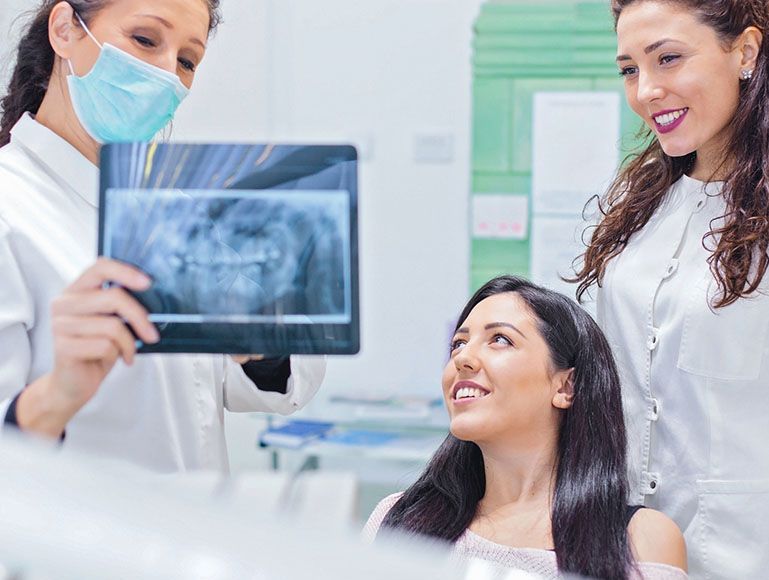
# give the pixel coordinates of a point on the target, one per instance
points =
(746, 74)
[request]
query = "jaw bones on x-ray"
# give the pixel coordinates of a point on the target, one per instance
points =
(268, 264)
(236, 256)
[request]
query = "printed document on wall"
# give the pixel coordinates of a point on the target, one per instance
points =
(575, 148)
(555, 242)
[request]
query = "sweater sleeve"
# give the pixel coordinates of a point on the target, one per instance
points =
(655, 571)
(378, 515)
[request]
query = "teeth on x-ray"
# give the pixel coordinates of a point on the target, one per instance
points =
(231, 252)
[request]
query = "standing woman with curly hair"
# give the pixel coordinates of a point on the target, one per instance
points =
(680, 260)
(90, 72)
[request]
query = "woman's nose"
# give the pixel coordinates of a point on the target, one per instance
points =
(649, 88)
(467, 359)
(167, 62)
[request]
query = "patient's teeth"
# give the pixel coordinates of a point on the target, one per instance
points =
(469, 393)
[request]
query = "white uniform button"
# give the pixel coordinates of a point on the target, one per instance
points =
(654, 410)
(700, 205)
(653, 340)
(652, 483)
(672, 268)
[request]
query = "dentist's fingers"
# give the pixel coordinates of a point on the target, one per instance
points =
(106, 270)
(97, 327)
(109, 302)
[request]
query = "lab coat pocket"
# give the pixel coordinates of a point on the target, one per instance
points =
(723, 343)
(732, 541)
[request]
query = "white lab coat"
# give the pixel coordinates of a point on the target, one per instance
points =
(165, 412)
(695, 386)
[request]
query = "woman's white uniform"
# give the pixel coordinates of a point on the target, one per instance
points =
(164, 412)
(696, 386)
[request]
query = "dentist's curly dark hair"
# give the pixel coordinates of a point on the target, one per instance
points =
(35, 58)
(739, 257)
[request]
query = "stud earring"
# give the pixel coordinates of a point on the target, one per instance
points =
(746, 74)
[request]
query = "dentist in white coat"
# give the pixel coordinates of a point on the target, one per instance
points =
(90, 72)
(680, 259)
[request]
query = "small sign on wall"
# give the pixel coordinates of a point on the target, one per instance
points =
(501, 216)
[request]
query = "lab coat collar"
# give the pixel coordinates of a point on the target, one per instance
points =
(63, 161)
(710, 188)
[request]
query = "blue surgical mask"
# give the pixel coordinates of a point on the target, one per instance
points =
(123, 98)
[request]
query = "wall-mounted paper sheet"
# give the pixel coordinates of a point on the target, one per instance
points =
(555, 242)
(575, 142)
(501, 216)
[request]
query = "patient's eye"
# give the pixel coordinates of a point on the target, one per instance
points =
(501, 339)
(456, 344)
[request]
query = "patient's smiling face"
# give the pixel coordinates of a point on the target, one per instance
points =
(499, 384)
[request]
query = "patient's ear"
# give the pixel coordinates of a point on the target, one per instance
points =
(564, 396)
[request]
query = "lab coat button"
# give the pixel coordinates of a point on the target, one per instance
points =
(654, 410)
(700, 205)
(653, 340)
(672, 268)
(652, 483)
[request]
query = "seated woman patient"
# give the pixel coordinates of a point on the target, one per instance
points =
(533, 474)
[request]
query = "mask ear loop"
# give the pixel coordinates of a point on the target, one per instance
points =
(89, 33)
(167, 132)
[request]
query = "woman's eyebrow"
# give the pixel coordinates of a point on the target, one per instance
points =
(655, 45)
(505, 325)
(465, 330)
(170, 26)
(651, 48)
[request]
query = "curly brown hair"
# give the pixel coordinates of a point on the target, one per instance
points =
(738, 248)
(35, 58)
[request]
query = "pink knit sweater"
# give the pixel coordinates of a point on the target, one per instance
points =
(540, 562)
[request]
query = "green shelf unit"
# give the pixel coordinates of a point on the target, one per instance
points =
(519, 49)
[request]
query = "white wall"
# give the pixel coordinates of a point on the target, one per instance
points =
(229, 100)
(9, 11)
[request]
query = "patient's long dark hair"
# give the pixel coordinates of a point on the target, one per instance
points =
(590, 497)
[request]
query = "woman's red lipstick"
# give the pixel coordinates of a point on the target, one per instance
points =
(670, 126)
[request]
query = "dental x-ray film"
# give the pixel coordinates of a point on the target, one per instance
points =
(251, 248)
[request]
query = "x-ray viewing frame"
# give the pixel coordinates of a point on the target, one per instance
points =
(252, 248)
